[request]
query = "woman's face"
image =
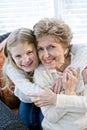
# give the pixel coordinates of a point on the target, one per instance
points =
(51, 52)
(25, 56)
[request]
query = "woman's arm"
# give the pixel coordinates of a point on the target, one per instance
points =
(46, 98)
(51, 99)
(72, 103)
(65, 102)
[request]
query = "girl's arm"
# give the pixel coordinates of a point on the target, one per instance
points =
(80, 56)
(22, 84)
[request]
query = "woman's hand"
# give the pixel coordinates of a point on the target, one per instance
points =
(57, 86)
(47, 97)
(70, 80)
(84, 74)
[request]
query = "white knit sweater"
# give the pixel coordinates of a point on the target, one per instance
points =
(69, 113)
(23, 86)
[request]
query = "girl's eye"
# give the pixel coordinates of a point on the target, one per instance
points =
(29, 52)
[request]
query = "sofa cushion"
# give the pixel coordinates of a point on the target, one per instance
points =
(9, 120)
(6, 95)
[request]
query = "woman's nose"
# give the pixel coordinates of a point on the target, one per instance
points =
(46, 54)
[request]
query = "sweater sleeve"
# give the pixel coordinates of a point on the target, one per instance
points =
(72, 103)
(80, 56)
(22, 85)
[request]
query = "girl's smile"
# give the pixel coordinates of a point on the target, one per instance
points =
(26, 57)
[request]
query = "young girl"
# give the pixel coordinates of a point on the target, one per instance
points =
(21, 60)
(20, 52)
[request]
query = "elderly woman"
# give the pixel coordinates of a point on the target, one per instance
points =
(67, 109)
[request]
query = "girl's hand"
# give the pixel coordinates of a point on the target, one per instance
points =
(70, 80)
(84, 74)
(47, 97)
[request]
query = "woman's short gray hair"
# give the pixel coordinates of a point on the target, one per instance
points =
(54, 27)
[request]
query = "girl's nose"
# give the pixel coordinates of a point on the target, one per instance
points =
(25, 58)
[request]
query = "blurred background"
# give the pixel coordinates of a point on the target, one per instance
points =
(25, 13)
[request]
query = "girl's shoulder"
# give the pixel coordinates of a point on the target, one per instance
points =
(12, 69)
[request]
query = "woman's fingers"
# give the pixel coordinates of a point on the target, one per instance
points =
(70, 80)
(84, 74)
(44, 98)
(57, 86)
(74, 72)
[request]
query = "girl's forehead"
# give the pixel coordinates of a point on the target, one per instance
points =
(22, 47)
(23, 44)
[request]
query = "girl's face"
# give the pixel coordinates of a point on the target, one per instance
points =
(51, 52)
(25, 56)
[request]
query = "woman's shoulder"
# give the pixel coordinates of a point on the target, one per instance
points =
(40, 67)
(39, 70)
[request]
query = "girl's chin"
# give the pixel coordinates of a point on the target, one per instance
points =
(28, 70)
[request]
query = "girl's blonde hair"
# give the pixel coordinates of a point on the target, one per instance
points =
(21, 35)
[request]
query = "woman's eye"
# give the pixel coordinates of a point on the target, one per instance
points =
(17, 56)
(51, 46)
(39, 49)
